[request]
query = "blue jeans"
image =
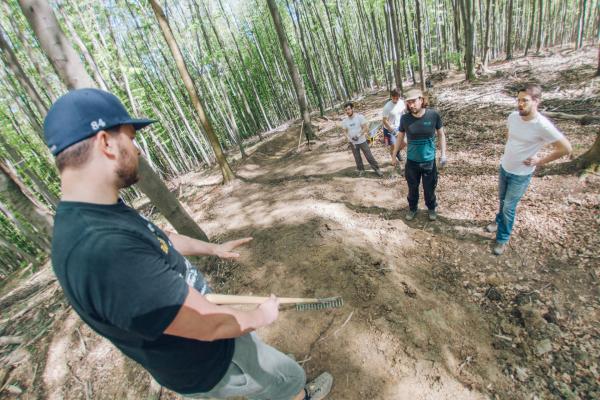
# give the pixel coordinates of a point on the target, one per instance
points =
(511, 188)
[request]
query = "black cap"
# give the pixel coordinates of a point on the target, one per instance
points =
(81, 113)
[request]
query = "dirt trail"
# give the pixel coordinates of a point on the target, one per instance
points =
(429, 312)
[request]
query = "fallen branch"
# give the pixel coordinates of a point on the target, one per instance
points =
(583, 119)
(6, 340)
(39, 282)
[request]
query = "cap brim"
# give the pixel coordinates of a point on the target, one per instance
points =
(140, 123)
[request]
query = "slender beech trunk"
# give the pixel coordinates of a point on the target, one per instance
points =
(293, 70)
(10, 59)
(540, 25)
(420, 43)
(531, 26)
(485, 59)
(396, 41)
(467, 11)
(226, 171)
(509, 31)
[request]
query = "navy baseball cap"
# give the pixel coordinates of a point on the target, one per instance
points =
(81, 113)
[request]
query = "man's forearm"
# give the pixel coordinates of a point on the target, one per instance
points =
(188, 246)
(561, 148)
(555, 155)
(202, 320)
(387, 125)
(442, 137)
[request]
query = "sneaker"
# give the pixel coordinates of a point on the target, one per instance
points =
(432, 215)
(319, 388)
(491, 228)
(499, 248)
(411, 215)
(361, 173)
(379, 173)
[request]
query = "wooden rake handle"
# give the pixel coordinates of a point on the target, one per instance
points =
(229, 299)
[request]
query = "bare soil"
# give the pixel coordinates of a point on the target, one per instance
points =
(429, 312)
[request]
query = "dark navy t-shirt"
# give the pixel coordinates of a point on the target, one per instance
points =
(421, 135)
(123, 277)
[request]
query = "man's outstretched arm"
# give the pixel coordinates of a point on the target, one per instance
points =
(202, 320)
(188, 246)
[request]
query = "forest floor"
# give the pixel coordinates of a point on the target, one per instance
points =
(429, 312)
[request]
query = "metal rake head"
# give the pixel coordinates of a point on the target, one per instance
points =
(329, 302)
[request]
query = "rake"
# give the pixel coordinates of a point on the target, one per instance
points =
(301, 304)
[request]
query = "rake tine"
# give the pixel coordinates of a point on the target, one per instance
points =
(321, 304)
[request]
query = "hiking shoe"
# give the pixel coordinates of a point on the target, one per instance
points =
(379, 173)
(319, 388)
(499, 248)
(411, 215)
(432, 215)
(491, 228)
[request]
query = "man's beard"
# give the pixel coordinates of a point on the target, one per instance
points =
(127, 171)
(524, 112)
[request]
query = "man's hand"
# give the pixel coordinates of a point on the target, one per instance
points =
(269, 310)
(532, 161)
(443, 161)
(394, 161)
(224, 250)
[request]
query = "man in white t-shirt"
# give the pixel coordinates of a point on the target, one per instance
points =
(528, 132)
(392, 111)
(357, 132)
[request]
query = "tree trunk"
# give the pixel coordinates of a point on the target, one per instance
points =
(23, 203)
(68, 66)
(293, 70)
(486, 43)
(339, 63)
(10, 59)
(509, 31)
(58, 49)
(531, 26)
(581, 23)
(598, 69)
(396, 41)
(591, 158)
(228, 175)
(307, 59)
(420, 42)
(467, 11)
(540, 25)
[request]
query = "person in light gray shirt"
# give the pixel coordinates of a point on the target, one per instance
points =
(356, 127)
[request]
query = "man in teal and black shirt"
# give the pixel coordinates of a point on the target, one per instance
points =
(421, 126)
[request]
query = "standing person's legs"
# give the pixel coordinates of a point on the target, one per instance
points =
(369, 156)
(430, 179)
(258, 371)
(512, 188)
(357, 158)
(390, 141)
(412, 174)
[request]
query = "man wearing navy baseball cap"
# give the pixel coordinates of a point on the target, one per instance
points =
(129, 280)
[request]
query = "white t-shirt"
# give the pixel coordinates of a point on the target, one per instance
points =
(393, 112)
(353, 126)
(525, 139)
